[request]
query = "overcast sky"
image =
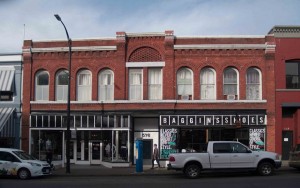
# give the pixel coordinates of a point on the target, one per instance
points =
(33, 19)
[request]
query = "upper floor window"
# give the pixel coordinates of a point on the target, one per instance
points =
(106, 85)
(253, 84)
(292, 72)
(84, 85)
(185, 84)
(230, 78)
(155, 84)
(135, 84)
(208, 83)
(42, 86)
(62, 80)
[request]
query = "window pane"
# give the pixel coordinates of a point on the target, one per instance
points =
(230, 76)
(106, 85)
(84, 89)
(62, 78)
(292, 75)
(43, 78)
(184, 82)
(230, 82)
(42, 86)
(155, 86)
(207, 80)
(135, 80)
(253, 85)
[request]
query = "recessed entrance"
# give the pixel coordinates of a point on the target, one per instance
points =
(95, 148)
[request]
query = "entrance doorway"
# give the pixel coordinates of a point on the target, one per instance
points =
(147, 151)
(287, 144)
(95, 148)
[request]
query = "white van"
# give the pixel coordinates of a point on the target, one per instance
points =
(15, 162)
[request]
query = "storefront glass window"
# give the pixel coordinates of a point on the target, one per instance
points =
(43, 140)
(33, 121)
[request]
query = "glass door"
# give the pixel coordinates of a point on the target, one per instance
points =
(95, 152)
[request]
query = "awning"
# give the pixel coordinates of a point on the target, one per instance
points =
(6, 78)
(291, 104)
(5, 114)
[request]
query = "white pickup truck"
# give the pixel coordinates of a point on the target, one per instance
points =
(224, 155)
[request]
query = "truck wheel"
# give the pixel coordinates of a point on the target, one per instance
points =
(24, 174)
(192, 171)
(265, 169)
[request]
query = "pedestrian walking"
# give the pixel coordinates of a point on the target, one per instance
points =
(155, 156)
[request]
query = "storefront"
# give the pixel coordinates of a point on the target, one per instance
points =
(95, 139)
(190, 133)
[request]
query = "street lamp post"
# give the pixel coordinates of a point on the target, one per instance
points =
(68, 100)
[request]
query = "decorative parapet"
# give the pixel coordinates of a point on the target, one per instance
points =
(285, 31)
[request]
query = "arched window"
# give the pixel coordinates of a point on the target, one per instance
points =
(106, 85)
(208, 83)
(84, 85)
(230, 89)
(62, 80)
(42, 86)
(185, 84)
(253, 84)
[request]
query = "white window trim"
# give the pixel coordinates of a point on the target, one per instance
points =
(237, 81)
(215, 83)
(36, 86)
(99, 84)
(142, 81)
(260, 82)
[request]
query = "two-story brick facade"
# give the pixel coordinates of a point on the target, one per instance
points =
(287, 74)
(178, 92)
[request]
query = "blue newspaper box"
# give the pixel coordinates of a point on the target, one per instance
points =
(139, 155)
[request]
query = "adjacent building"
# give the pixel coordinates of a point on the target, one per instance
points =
(10, 99)
(177, 92)
(287, 74)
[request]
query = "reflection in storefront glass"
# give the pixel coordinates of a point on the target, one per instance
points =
(43, 140)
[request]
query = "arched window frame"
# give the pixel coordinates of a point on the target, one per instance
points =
(184, 78)
(42, 86)
(106, 85)
(231, 83)
(61, 85)
(208, 84)
(84, 85)
(253, 84)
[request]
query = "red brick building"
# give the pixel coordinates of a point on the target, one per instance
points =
(287, 71)
(178, 92)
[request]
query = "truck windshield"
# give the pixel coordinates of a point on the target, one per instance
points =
(24, 156)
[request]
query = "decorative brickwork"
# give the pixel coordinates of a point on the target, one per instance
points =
(145, 54)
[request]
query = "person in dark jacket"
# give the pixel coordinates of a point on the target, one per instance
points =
(155, 156)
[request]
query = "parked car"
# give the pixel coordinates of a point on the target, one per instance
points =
(224, 155)
(15, 162)
(294, 160)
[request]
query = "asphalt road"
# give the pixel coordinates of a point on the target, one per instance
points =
(282, 179)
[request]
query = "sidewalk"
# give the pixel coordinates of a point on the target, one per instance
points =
(99, 170)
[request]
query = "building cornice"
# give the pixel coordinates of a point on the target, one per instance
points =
(220, 46)
(285, 31)
(155, 101)
(74, 49)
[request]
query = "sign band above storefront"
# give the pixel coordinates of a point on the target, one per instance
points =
(211, 120)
